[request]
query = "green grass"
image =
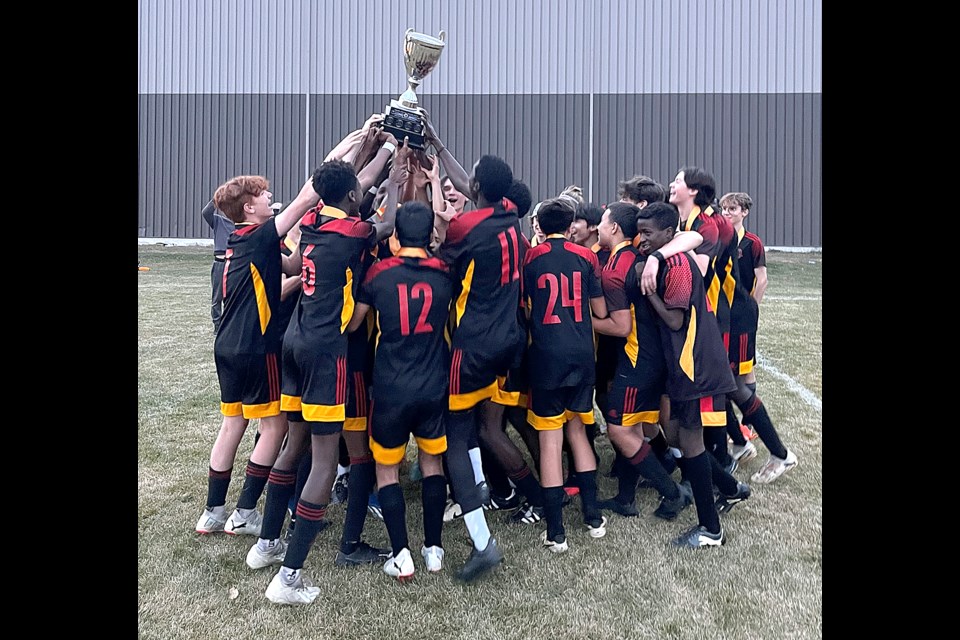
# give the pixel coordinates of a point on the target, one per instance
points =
(766, 582)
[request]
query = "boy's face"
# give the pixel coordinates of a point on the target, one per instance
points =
(454, 197)
(258, 209)
(580, 231)
(651, 237)
(605, 231)
(680, 193)
(734, 213)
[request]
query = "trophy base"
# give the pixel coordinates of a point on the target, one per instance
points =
(403, 122)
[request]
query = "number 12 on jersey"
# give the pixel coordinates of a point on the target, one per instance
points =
(419, 290)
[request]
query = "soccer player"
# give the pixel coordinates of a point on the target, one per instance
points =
(484, 250)
(744, 321)
(640, 376)
(411, 294)
(561, 283)
(315, 386)
(248, 344)
(222, 228)
(698, 375)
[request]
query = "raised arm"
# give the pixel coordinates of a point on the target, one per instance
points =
(306, 199)
(368, 175)
(385, 224)
(682, 241)
(458, 176)
(208, 212)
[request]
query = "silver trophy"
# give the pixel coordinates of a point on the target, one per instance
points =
(404, 118)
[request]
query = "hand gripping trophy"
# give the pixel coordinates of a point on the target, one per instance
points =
(404, 118)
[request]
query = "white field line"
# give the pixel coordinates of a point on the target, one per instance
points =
(805, 394)
(795, 298)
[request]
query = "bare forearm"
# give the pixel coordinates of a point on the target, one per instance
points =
(673, 318)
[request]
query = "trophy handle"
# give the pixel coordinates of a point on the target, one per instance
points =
(443, 36)
(407, 32)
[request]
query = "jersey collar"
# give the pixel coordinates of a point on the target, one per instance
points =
(625, 243)
(333, 212)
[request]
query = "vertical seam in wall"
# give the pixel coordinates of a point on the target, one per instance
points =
(590, 163)
(306, 139)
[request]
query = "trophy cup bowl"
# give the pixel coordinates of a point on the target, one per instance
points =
(404, 118)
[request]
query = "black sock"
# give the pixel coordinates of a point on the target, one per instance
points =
(394, 516)
(715, 441)
(434, 490)
(650, 468)
(755, 414)
(362, 475)
(682, 465)
(723, 480)
(217, 484)
(553, 511)
(309, 516)
(343, 456)
(493, 473)
(698, 470)
(280, 487)
(626, 483)
(733, 427)
(587, 481)
(254, 481)
(528, 485)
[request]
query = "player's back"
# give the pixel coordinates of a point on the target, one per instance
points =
(559, 279)
(411, 296)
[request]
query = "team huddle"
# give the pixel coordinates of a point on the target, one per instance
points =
(381, 304)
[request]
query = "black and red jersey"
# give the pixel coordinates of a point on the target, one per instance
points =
(697, 362)
(621, 289)
(333, 248)
(752, 256)
(559, 279)
(411, 294)
(251, 291)
(485, 250)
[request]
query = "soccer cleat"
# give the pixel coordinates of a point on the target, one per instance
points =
(527, 514)
(373, 505)
(725, 503)
(257, 559)
(558, 545)
(670, 509)
(400, 567)
(743, 453)
(301, 591)
(626, 510)
(480, 562)
(238, 525)
(774, 468)
(497, 503)
(339, 493)
(733, 466)
(209, 522)
(452, 511)
(698, 536)
(433, 557)
(363, 554)
(597, 529)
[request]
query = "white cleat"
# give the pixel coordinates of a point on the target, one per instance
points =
(301, 591)
(259, 559)
(400, 567)
(433, 556)
(210, 522)
(553, 545)
(774, 468)
(238, 525)
(598, 531)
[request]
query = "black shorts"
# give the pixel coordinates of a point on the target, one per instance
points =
(315, 383)
(710, 411)
(391, 425)
(474, 373)
(742, 349)
(549, 409)
(249, 385)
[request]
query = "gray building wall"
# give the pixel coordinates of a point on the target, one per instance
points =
(567, 91)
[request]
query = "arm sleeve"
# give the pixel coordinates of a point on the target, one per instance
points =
(208, 212)
(759, 254)
(677, 286)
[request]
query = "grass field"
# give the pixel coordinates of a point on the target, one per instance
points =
(766, 582)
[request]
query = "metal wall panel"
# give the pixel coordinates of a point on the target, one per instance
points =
(494, 46)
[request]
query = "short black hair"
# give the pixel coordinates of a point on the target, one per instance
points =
(663, 214)
(640, 188)
(414, 224)
(703, 182)
(625, 215)
(494, 177)
(333, 180)
(590, 212)
(555, 215)
(519, 194)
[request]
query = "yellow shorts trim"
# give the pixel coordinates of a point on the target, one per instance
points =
(551, 423)
(713, 418)
(323, 412)
(746, 367)
(231, 409)
(433, 446)
(383, 455)
(461, 401)
(633, 419)
(267, 410)
(586, 417)
(289, 403)
(355, 424)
